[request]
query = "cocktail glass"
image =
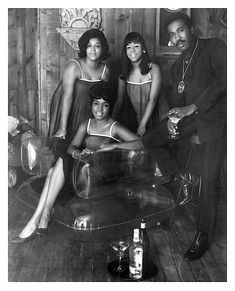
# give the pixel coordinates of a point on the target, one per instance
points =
(174, 118)
(119, 247)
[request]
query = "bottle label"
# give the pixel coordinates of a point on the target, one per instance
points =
(135, 267)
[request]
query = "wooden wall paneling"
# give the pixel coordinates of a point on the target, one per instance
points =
(12, 104)
(42, 46)
(21, 61)
(207, 24)
(12, 63)
(53, 58)
(216, 28)
(136, 19)
(122, 27)
(66, 53)
(31, 71)
(200, 18)
(108, 25)
(149, 29)
(49, 61)
(38, 72)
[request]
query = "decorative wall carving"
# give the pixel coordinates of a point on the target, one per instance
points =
(223, 17)
(75, 21)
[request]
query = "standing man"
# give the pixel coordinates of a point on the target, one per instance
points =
(198, 96)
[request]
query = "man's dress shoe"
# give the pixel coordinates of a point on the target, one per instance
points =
(198, 247)
(19, 240)
(187, 193)
(188, 182)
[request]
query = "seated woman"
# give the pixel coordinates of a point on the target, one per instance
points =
(99, 132)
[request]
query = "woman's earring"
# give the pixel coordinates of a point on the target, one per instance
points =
(143, 52)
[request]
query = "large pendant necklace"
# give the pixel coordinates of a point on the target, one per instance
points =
(181, 85)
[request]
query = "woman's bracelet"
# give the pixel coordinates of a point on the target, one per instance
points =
(62, 127)
(74, 152)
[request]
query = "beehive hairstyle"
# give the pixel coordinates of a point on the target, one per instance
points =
(85, 38)
(103, 90)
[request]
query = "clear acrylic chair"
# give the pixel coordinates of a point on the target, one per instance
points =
(36, 157)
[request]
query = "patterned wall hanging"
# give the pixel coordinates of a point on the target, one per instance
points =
(75, 21)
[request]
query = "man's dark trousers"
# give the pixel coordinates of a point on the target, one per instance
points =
(213, 152)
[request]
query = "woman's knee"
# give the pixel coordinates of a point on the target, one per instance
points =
(59, 163)
(50, 172)
(57, 167)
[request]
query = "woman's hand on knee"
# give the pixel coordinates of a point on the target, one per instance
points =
(61, 133)
(141, 130)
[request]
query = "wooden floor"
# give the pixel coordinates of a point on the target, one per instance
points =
(60, 257)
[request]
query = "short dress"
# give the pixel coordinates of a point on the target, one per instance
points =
(139, 97)
(92, 141)
(79, 112)
(80, 108)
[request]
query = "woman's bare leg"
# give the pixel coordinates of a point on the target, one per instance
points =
(52, 186)
(56, 184)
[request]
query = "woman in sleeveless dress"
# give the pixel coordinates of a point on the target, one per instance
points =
(70, 104)
(141, 80)
(98, 133)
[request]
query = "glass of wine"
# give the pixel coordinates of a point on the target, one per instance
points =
(174, 118)
(119, 247)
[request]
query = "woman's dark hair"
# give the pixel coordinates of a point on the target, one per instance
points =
(103, 90)
(126, 65)
(85, 38)
(176, 16)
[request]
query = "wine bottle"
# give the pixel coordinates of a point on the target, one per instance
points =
(135, 257)
(144, 240)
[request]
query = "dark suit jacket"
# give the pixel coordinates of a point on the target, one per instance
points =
(205, 86)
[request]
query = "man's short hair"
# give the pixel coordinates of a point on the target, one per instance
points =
(176, 16)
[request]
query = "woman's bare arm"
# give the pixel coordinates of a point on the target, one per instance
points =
(154, 91)
(121, 93)
(130, 140)
(78, 138)
(106, 74)
(70, 74)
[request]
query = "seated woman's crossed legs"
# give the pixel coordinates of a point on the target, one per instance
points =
(53, 184)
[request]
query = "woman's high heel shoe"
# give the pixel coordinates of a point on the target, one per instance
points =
(19, 240)
(42, 231)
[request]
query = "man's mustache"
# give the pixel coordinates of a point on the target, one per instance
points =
(179, 42)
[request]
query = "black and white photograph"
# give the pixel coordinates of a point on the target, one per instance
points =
(117, 144)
